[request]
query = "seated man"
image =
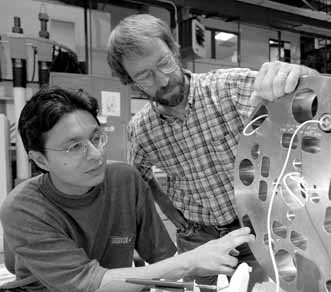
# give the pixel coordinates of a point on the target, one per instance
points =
(75, 227)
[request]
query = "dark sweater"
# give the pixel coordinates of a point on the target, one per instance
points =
(66, 243)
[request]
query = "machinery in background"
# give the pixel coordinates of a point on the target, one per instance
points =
(20, 55)
(192, 38)
(283, 186)
(25, 64)
(18, 60)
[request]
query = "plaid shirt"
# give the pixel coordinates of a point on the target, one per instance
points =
(198, 153)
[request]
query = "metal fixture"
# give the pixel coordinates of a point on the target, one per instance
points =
(285, 180)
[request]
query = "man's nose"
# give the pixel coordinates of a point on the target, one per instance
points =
(161, 78)
(93, 151)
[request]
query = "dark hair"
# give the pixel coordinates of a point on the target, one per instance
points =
(128, 37)
(46, 108)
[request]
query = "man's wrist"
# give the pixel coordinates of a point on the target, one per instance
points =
(188, 263)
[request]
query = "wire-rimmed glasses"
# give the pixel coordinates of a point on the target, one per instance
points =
(146, 79)
(78, 150)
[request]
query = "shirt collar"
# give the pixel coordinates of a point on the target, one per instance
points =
(190, 98)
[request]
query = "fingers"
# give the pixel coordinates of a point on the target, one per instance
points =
(292, 79)
(236, 238)
(234, 252)
(260, 76)
(276, 79)
(227, 265)
(240, 231)
(226, 270)
(295, 74)
(230, 261)
(214, 256)
(280, 81)
(268, 80)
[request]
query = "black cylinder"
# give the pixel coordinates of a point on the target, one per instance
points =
(17, 25)
(19, 73)
(43, 73)
(43, 33)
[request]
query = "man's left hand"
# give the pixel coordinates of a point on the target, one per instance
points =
(276, 79)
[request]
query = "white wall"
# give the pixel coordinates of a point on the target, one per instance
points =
(255, 45)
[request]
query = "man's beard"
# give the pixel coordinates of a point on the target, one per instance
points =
(173, 101)
(176, 98)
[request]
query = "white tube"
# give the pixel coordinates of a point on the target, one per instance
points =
(22, 161)
(5, 166)
(240, 278)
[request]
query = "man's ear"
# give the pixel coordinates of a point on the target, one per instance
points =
(39, 159)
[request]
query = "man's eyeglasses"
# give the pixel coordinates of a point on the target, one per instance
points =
(79, 149)
(167, 65)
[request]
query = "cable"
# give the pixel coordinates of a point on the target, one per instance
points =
(300, 182)
(251, 123)
(273, 260)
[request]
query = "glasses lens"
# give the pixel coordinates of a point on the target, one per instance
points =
(79, 149)
(167, 65)
(76, 149)
(99, 140)
(146, 83)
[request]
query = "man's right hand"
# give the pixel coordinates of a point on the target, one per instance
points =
(174, 215)
(167, 207)
(213, 257)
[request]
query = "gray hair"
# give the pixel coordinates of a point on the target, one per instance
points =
(128, 37)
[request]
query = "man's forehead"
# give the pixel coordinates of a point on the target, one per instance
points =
(146, 48)
(136, 62)
(73, 125)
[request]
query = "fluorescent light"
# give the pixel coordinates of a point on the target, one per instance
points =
(224, 36)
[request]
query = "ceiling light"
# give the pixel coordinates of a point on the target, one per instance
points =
(224, 36)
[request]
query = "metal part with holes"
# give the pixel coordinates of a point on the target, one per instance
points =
(301, 212)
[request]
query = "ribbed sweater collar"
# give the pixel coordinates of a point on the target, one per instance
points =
(66, 200)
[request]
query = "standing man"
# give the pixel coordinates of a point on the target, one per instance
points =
(75, 227)
(190, 128)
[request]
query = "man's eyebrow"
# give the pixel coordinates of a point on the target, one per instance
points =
(163, 58)
(147, 70)
(96, 128)
(140, 72)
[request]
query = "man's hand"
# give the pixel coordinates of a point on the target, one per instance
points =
(166, 206)
(175, 216)
(276, 79)
(213, 258)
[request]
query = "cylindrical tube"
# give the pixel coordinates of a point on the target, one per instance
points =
(43, 73)
(22, 161)
(19, 73)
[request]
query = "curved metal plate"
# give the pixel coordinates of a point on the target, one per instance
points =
(301, 211)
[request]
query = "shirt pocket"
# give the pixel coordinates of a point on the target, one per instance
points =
(191, 192)
(223, 150)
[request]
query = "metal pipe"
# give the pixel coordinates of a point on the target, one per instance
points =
(19, 92)
(86, 38)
